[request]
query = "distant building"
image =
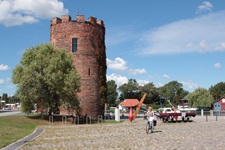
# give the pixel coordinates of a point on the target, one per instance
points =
(219, 105)
(86, 41)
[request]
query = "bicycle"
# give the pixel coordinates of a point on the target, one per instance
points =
(149, 126)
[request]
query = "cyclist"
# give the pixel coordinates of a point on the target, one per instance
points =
(150, 117)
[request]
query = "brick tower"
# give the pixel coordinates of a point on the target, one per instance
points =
(86, 41)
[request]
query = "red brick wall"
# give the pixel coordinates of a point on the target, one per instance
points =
(89, 56)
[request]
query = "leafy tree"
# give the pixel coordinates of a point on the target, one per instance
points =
(13, 99)
(152, 93)
(46, 76)
(5, 96)
(218, 90)
(112, 93)
(200, 98)
(173, 91)
(130, 90)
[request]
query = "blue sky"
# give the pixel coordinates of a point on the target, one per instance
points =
(151, 41)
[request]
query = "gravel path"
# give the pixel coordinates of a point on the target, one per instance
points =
(196, 135)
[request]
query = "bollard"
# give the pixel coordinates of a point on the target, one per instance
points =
(76, 120)
(50, 119)
(87, 119)
(100, 118)
(64, 119)
(206, 118)
(216, 117)
(202, 112)
(117, 114)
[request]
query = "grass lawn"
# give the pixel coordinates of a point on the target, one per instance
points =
(13, 128)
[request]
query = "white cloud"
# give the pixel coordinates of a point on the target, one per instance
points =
(202, 33)
(142, 82)
(137, 71)
(120, 80)
(160, 84)
(202, 45)
(17, 12)
(2, 81)
(221, 46)
(121, 65)
(166, 76)
(117, 64)
(217, 65)
(4, 67)
(205, 6)
(189, 84)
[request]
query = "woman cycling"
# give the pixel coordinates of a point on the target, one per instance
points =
(150, 117)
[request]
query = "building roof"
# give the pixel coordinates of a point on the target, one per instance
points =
(130, 103)
(219, 99)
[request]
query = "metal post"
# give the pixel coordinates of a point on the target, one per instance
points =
(206, 118)
(100, 118)
(216, 117)
(50, 119)
(64, 119)
(76, 119)
(88, 117)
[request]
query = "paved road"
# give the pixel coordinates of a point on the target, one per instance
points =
(10, 113)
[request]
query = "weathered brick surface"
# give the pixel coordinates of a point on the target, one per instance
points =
(88, 59)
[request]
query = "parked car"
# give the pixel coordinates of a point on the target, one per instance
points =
(7, 107)
(109, 115)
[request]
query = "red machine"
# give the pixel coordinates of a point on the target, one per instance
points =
(169, 114)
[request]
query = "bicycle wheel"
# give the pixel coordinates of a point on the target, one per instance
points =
(151, 127)
(147, 127)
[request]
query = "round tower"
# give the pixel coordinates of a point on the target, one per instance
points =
(86, 41)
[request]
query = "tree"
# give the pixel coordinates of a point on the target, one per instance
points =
(112, 93)
(173, 91)
(217, 91)
(5, 97)
(46, 76)
(200, 98)
(152, 93)
(130, 90)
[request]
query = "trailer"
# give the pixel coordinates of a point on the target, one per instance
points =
(171, 114)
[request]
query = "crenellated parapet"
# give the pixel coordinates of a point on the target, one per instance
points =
(79, 18)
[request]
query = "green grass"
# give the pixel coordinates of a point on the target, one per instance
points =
(13, 128)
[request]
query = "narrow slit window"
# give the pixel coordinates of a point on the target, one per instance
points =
(74, 44)
(89, 71)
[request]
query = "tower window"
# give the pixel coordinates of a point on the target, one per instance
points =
(74, 44)
(89, 71)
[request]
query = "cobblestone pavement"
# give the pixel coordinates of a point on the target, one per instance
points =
(200, 134)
